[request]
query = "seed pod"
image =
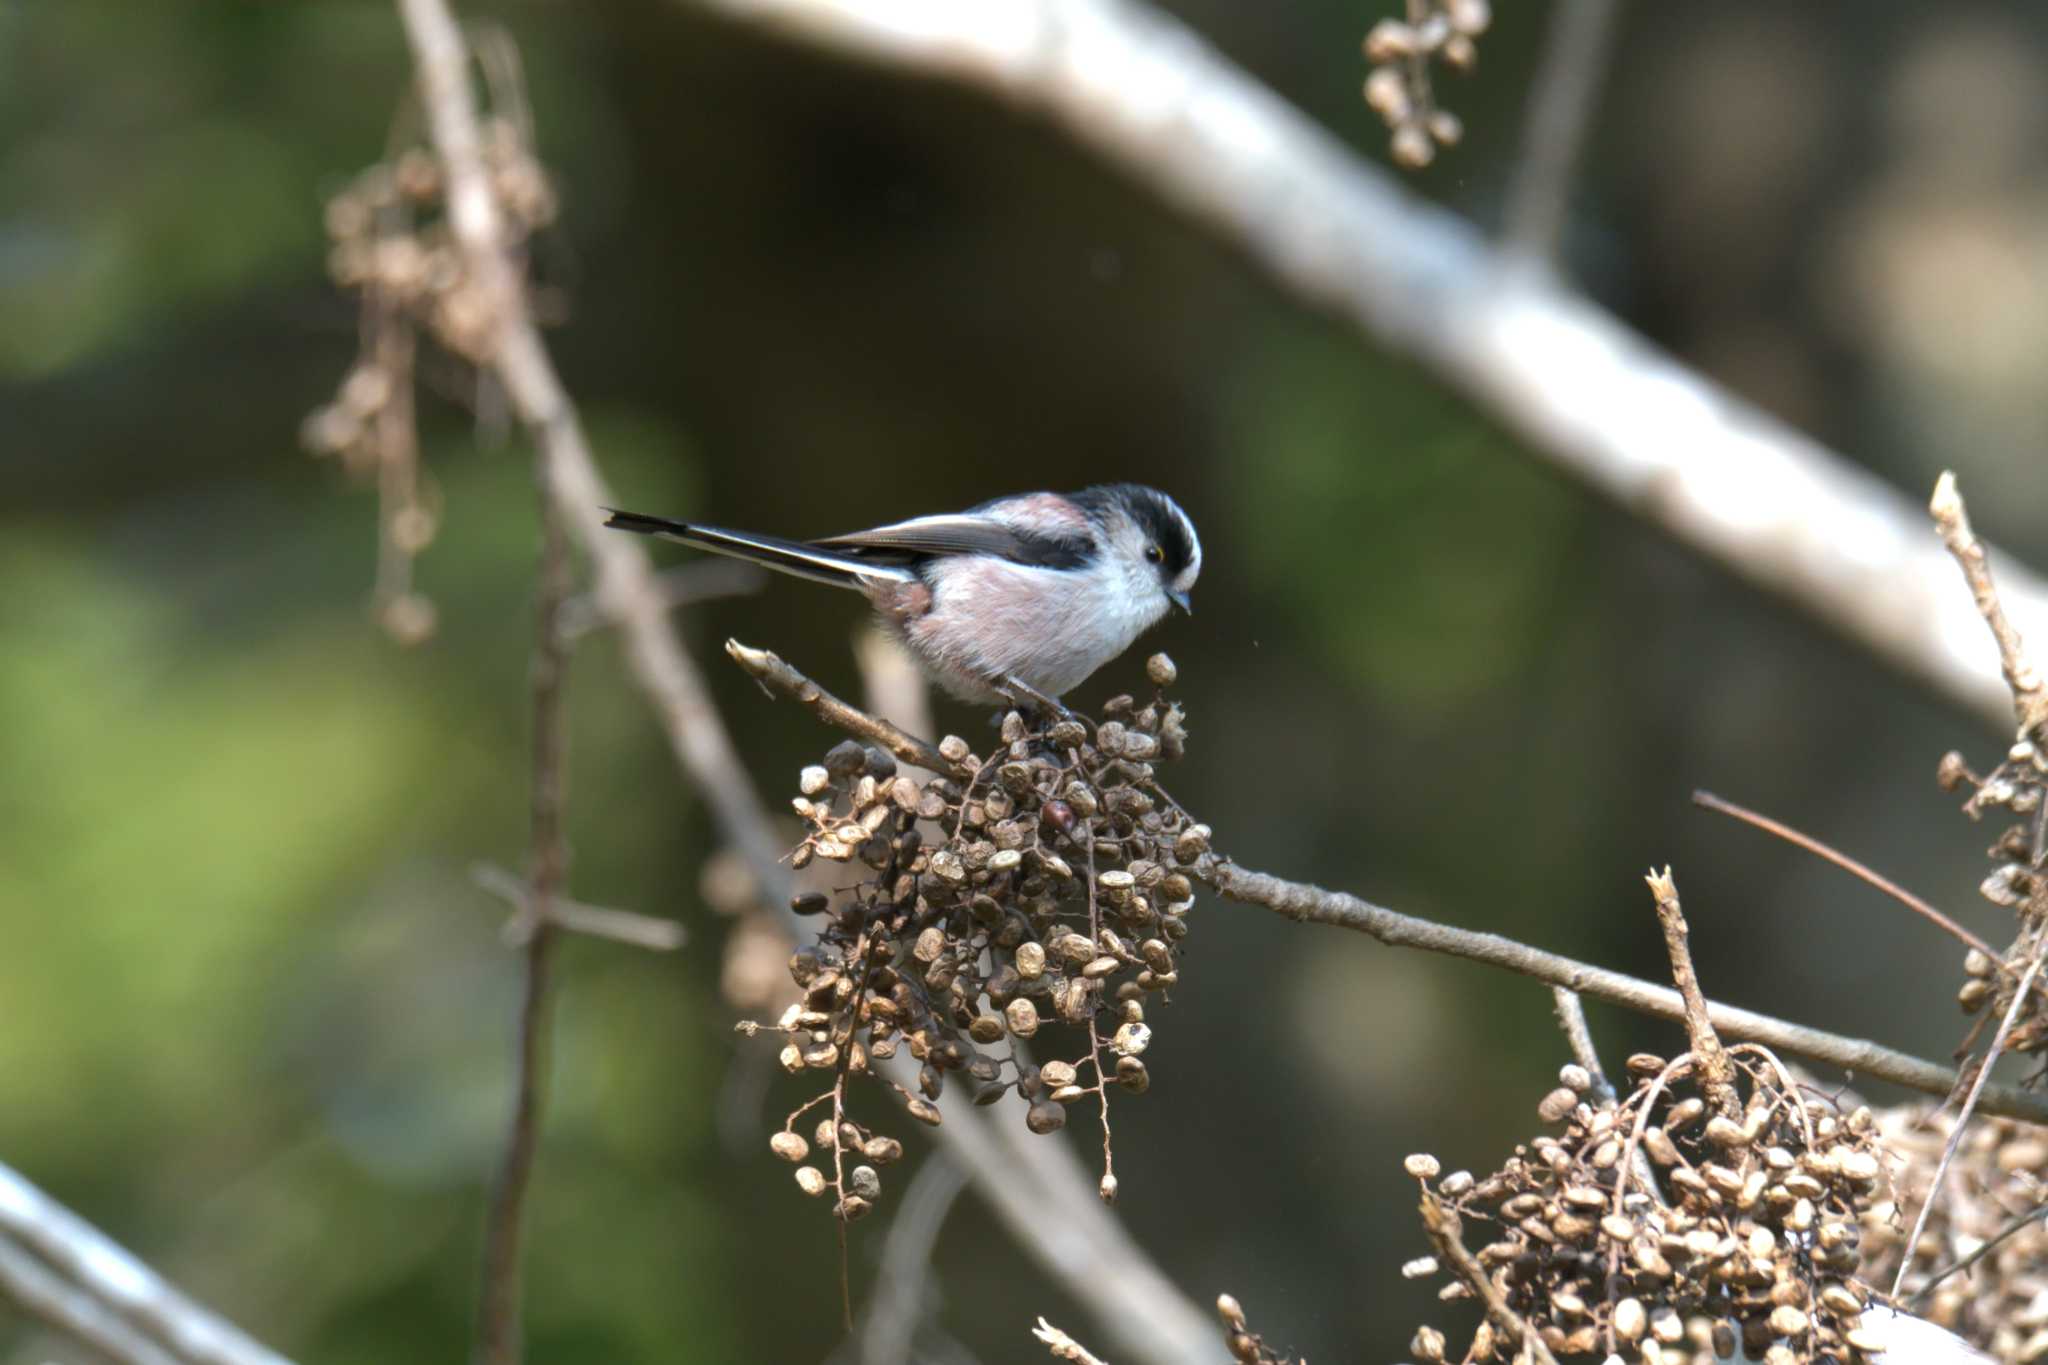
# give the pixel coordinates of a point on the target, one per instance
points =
(1045, 1117)
(789, 1146)
(1057, 1073)
(1455, 1185)
(986, 1028)
(924, 1111)
(1131, 1039)
(1023, 1017)
(852, 1208)
(810, 1180)
(1557, 1105)
(1422, 1166)
(1132, 1075)
(882, 1150)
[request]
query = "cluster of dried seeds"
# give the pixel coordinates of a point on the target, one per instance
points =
(1999, 1177)
(391, 245)
(1398, 89)
(2018, 882)
(1038, 888)
(1663, 1229)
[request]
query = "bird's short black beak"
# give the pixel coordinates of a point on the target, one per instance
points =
(1180, 599)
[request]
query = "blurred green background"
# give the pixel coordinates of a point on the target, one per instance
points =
(256, 1022)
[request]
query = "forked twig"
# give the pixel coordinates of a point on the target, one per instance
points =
(2029, 688)
(1445, 1233)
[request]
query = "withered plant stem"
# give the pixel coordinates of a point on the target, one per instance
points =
(2029, 688)
(1709, 801)
(1717, 1073)
(1955, 1136)
(769, 670)
(1446, 1234)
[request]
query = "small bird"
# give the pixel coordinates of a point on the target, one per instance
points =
(1019, 599)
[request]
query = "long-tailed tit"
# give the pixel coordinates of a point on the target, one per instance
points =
(1021, 597)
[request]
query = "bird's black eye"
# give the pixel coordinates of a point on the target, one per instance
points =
(1154, 555)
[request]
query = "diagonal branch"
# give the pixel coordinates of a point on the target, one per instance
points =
(1312, 904)
(1571, 381)
(109, 1276)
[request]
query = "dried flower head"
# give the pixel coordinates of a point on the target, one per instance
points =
(1398, 88)
(1661, 1229)
(1037, 891)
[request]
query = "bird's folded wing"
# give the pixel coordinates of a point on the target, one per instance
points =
(963, 535)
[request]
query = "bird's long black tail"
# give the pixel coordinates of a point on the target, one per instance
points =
(785, 556)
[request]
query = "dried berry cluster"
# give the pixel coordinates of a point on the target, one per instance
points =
(2018, 882)
(1399, 87)
(1668, 1230)
(1998, 1177)
(390, 244)
(1036, 887)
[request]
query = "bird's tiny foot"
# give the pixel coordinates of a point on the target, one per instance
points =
(1029, 699)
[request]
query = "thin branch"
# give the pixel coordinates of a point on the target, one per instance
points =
(1717, 1073)
(1955, 1136)
(500, 1339)
(1571, 1019)
(2029, 689)
(1851, 866)
(1313, 904)
(595, 921)
(43, 1294)
(109, 1275)
(1064, 1347)
(772, 672)
(1580, 389)
(1447, 1236)
(1957, 1266)
(1561, 101)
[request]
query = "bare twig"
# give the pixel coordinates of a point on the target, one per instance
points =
(1313, 904)
(1955, 1136)
(772, 672)
(42, 1293)
(97, 1268)
(1571, 1019)
(595, 921)
(1573, 383)
(1851, 866)
(1985, 1248)
(1447, 1236)
(1561, 100)
(499, 1335)
(1717, 1073)
(1064, 1347)
(2029, 689)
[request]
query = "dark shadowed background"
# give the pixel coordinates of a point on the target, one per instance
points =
(255, 1020)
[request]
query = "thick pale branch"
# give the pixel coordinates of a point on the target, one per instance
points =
(1312, 904)
(1576, 385)
(42, 1293)
(109, 1275)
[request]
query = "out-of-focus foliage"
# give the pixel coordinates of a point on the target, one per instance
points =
(254, 1018)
